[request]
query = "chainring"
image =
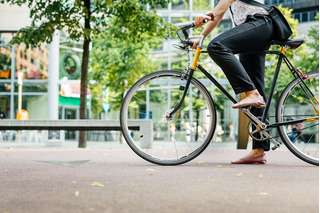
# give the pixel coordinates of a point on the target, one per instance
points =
(261, 136)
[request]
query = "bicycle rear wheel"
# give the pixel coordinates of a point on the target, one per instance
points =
(302, 139)
(159, 139)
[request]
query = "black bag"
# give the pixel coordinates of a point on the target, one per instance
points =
(280, 24)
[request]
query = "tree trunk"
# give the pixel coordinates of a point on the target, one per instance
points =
(84, 81)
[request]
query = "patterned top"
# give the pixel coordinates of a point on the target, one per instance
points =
(241, 10)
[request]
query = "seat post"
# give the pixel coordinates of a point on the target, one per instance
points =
(283, 50)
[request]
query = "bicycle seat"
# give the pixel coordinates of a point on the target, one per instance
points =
(290, 43)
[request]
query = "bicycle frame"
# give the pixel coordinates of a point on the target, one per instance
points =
(260, 123)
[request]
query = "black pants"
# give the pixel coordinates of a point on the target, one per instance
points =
(247, 73)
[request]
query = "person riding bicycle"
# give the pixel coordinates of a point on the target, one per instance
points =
(253, 31)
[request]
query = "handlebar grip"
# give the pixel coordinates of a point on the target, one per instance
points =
(192, 25)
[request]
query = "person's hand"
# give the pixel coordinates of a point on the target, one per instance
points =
(195, 43)
(199, 20)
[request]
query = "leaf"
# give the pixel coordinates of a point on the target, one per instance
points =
(202, 163)
(77, 193)
(97, 184)
(240, 174)
(150, 170)
(260, 176)
(263, 193)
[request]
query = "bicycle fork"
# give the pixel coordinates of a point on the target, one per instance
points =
(190, 74)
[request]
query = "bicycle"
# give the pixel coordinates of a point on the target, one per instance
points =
(166, 97)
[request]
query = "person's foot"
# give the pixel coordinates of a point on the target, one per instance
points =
(253, 98)
(255, 156)
(258, 160)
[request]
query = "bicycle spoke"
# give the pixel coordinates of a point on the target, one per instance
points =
(146, 103)
(295, 104)
(169, 142)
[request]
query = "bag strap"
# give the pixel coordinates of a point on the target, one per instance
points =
(254, 3)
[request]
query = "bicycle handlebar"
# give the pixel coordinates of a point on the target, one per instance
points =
(192, 25)
(186, 40)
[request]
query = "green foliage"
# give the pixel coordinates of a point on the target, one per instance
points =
(116, 63)
(309, 57)
(306, 56)
(69, 16)
(201, 5)
(84, 19)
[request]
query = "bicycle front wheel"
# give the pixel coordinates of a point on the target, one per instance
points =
(159, 139)
(302, 139)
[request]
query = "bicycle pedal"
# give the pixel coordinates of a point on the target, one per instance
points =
(181, 88)
(277, 145)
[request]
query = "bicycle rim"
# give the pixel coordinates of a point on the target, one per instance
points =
(302, 139)
(161, 140)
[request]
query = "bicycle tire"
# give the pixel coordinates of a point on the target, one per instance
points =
(301, 139)
(148, 101)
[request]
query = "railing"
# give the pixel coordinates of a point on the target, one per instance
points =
(81, 124)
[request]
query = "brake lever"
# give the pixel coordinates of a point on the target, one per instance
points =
(180, 47)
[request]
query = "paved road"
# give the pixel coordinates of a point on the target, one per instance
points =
(116, 180)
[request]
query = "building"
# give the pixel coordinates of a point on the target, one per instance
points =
(185, 11)
(34, 63)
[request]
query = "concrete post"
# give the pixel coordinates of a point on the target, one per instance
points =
(53, 79)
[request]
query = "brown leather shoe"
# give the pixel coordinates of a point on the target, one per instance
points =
(259, 160)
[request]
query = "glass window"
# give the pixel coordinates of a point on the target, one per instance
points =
(160, 59)
(305, 17)
(313, 15)
(297, 16)
(32, 87)
(5, 62)
(159, 7)
(268, 2)
(5, 86)
(224, 25)
(34, 62)
(179, 20)
(180, 5)
(5, 105)
(35, 105)
(201, 5)
(179, 60)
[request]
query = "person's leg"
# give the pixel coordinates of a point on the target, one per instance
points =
(253, 35)
(246, 75)
(255, 67)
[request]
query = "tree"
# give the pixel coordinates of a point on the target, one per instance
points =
(299, 58)
(308, 59)
(82, 19)
(116, 63)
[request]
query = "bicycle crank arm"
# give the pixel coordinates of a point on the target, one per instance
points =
(276, 143)
(254, 118)
(262, 126)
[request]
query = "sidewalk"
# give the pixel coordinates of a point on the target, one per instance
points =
(98, 145)
(117, 180)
